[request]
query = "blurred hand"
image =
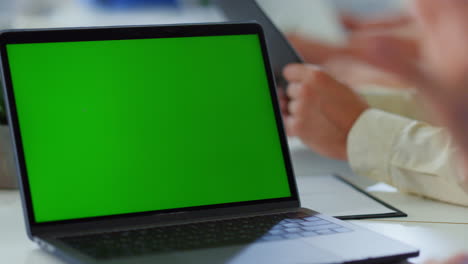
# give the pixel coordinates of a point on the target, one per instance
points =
(317, 52)
(320, 110)
(458, 259)
(356, 73)
(346, 62)
(355, 24)
(441, 71)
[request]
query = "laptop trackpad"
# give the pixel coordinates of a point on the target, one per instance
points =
(287, 251)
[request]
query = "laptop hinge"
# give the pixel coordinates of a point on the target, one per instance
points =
(64, 229)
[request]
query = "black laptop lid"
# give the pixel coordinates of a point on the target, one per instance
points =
(126, 121)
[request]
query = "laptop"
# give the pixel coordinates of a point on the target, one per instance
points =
(162, 144)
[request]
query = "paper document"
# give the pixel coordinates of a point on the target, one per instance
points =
(333, 196)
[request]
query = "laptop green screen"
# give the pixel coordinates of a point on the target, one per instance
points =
(125, 126)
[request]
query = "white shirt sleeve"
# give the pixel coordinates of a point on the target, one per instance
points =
(403, 102)
(411, 155)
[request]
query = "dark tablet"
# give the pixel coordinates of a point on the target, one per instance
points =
(280, 50)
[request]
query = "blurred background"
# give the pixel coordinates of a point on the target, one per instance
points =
(72, 13)
(319, 20)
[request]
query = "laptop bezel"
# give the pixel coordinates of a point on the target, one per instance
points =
(137, 32)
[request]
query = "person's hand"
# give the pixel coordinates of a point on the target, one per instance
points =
(441, 72)
(458, 259)
(321, 111)
(401, 29)
(318, 52)
(345, 62)
(356, 73)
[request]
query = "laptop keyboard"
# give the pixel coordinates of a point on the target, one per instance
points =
(202, 235)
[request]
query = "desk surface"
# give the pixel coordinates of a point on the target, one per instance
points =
(438, 229)
(436, 240)
(307, 163)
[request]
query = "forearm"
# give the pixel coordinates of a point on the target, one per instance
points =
(411, 155)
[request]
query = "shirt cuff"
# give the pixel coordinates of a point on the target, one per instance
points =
(371, 142)
(402, 102)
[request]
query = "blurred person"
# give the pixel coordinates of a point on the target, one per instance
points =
(382, 89)
(330, 118)
(440, 75)
(441, 72)
(414, 156)
(323, 53)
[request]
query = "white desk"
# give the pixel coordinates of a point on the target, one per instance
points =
(307, 163)
(436, 240)
(439, 230)
(423, 228)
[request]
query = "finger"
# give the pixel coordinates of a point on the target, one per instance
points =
(281, 93)
(289, 126)
(310, 77)
(294, 108)
(299, 72)
(283, 102)
(386, 23)
(283, 107)
(294, 90)
(389, 22)
(295, 72)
